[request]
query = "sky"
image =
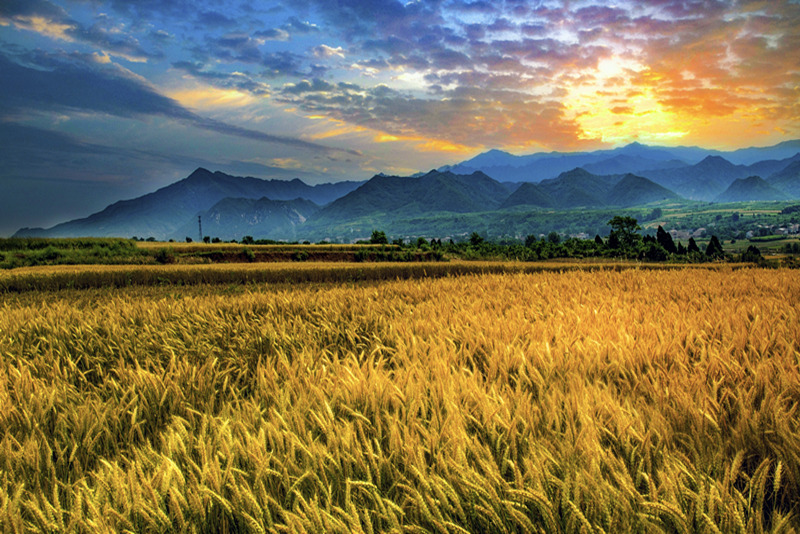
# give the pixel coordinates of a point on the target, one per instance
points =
(102, 100)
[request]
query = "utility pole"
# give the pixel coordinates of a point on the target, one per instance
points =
(200, 228)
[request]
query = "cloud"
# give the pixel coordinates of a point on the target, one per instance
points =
(273, 34)
(465, 116)
(214, 19)
(307, 87)
(325, 51)
(302, 27)
(514, 60)
(51, 20)
(240, 81)
(73, 83)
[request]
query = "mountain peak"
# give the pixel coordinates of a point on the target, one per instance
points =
(751, 188)
(715, 160)
(200, 172)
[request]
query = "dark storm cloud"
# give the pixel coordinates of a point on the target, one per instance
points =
(50, 82)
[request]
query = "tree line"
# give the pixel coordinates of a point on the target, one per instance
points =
(623, 241)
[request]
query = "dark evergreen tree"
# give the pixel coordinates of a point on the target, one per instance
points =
(665, 240)
(654, 252)
(714, 248)
(752, 254)
(692, 246)
(681, 249)
(613, 241)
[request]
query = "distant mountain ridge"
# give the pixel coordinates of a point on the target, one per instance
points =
(434, 191)
(165, 213)
(687, 171)
(231, 207)
(751, 188)
(788, 179)
(580, 188)
(233, 218)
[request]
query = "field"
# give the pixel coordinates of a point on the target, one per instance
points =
(491, 400)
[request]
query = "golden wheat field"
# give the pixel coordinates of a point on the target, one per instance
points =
(580, 401)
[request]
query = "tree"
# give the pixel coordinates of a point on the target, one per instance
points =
(654, 252)
(714, 248)
(752, 254)
(554, 238)
(624, 228)
(598, 240)
(248, 240)
(613, 241)
(692, 246)
(206, 239)
(665, 240)
(378, 238)
(188, 239)
(475, 239)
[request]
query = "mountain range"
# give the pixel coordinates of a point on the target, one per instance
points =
(172, 211)
(230, 207)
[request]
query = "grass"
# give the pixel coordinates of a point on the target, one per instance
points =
(29, 252)
(659, 400)
(60, 277)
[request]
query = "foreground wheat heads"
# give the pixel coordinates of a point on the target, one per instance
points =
(633, 401)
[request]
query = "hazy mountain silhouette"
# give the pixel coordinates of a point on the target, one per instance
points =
(787, 180)
(232, 207)
(751, 188)
(580, 188)
(163, 213)
(233, 218)
(702, 181)
(536, 167)
(624, 164)
(434, 191)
